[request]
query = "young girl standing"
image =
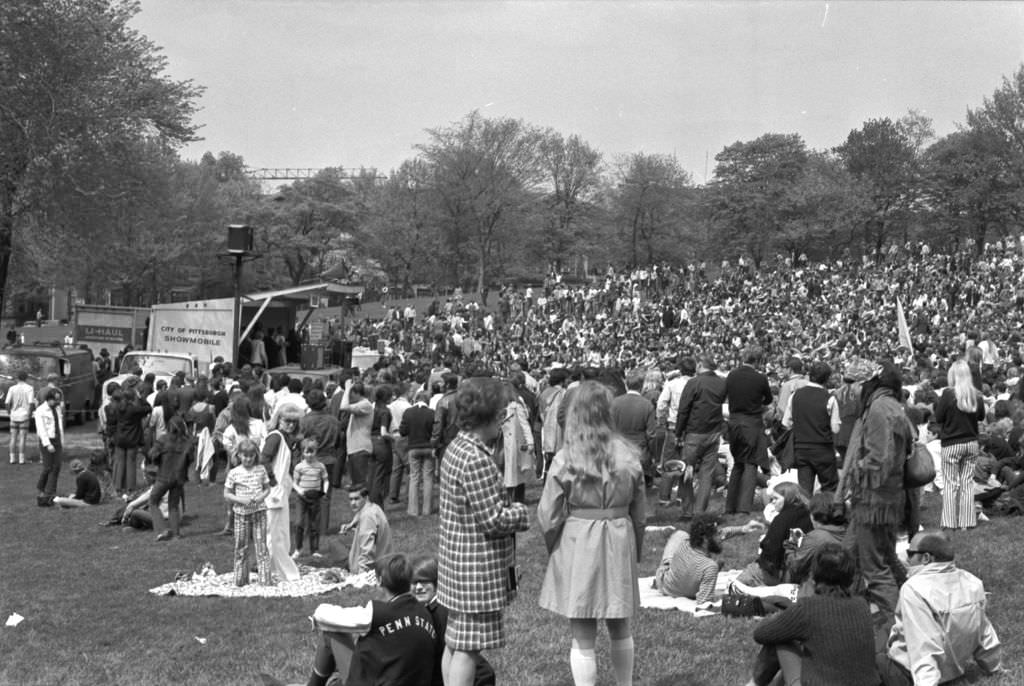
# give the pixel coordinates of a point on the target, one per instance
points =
(246, 488)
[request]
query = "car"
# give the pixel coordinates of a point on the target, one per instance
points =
(73, 367)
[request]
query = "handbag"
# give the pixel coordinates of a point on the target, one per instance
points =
(919, 469)
(740, 605)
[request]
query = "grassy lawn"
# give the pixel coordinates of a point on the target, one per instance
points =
(90, 620)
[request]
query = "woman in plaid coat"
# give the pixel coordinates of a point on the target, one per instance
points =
(476, 576)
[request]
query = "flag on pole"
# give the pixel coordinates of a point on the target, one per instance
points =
(903, 329)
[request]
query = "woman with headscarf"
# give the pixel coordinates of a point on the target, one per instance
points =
(592, 514)
(873, 479)
(276, 456)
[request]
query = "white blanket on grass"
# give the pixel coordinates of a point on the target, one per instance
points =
(652, 599)
(309, 583)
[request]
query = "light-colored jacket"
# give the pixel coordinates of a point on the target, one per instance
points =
(941, 624)
(46, 429)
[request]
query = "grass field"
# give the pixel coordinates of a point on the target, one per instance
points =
(90, 620)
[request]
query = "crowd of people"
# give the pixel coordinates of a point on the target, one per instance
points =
(785, 387)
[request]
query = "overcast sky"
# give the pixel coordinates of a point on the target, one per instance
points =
(315, 84)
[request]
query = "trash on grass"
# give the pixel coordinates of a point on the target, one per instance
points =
(14, 620)
(202, 641)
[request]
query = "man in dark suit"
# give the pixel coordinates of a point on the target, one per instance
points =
(634, 417)
(749, 396)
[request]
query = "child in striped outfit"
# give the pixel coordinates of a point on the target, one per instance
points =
(246, 488)
(309, 481)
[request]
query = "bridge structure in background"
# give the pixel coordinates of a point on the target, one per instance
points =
(296, 173)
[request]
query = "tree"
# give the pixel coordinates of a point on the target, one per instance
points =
(482, 171)
(77, 87)
(969, 186)
(751, 196)
(572, 173)
(882, 156)
(648, 200)
(402, 231)
(306, 227)
(1003, 115)
(824, 204)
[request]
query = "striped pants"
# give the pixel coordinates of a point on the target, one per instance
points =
(958, 495)
(251, 529)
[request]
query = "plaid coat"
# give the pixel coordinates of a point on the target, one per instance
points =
(476, 547)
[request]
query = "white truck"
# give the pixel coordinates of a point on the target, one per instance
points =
(163, 365)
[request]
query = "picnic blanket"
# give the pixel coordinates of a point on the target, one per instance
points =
(311, 581)
(652, 599)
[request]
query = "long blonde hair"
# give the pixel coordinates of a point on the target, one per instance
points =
(593, 449)
(960, 380)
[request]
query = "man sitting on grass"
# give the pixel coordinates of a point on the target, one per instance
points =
(371, 538)
(940, 620)
(396, 635)
(87, 488)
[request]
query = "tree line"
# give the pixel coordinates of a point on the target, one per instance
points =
(95, 196)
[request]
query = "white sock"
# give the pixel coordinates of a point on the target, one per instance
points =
(622, 660)
(583, 662)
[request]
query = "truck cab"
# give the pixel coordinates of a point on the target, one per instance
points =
(73, 367)
(162, 364)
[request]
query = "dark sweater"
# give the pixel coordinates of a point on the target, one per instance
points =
(700, 406)
(87, 488)
(417, 425)
(838, 640)
(773, 555)
(747, 390)
(811, 419)
(955, 425)
(128, 431)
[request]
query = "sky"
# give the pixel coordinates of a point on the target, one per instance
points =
(298, 83)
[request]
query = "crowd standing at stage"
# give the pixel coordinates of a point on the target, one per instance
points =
(662, 378)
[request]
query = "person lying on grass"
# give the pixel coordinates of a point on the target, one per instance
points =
(827, 638)
(688, 568)
(87, 488)
(391, 640)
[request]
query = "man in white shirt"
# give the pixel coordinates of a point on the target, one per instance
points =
(666, 411)
(400, 459)
(19, 402)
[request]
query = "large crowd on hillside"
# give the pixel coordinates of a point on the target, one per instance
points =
(782, 385)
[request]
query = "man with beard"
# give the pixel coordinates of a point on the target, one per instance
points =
(687, 569)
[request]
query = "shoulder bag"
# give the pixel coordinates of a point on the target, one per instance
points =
(920, 468)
